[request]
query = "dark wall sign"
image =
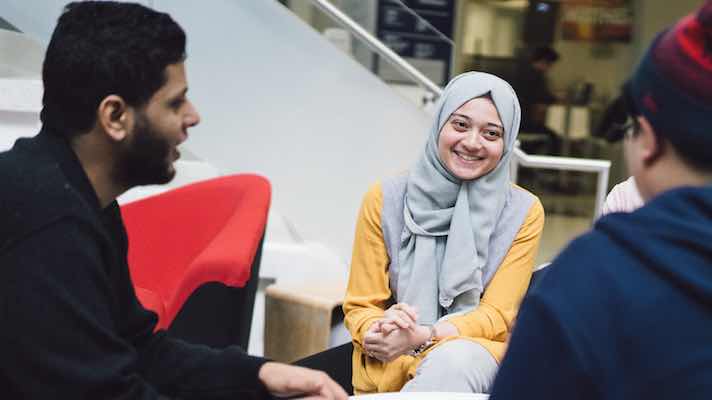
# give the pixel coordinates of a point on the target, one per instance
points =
(410, 37)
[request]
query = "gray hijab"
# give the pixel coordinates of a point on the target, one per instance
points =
(448, 222)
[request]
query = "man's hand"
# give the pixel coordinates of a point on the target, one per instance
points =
(284, 380)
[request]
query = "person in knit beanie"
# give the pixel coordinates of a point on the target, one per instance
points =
(625, 311)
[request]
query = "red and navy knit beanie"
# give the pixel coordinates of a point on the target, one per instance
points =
(672, 86)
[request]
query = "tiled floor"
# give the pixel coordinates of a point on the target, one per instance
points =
(568, 200)
(558, 231)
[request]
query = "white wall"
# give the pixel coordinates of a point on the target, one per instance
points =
(20, 86)
(478, 29)
(20, 56)
(504, 39)
(605, 65)
(278, 99)
(37, 18)
(651, 16)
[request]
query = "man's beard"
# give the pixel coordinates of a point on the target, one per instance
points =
(145, 159)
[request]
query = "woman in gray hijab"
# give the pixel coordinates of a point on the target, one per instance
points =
(444, 254)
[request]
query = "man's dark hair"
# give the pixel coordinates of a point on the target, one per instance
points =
(693, 153)
(544, 53)
(101, 48)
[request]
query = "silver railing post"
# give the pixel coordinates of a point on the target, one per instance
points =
(601, 190)
(601, 167)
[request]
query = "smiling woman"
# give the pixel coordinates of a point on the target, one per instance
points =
(443, 255)
(471, 141)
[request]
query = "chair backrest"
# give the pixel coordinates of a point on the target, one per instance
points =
(203, 232)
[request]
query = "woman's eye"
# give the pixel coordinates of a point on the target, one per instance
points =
(460, 125)
(493, 134)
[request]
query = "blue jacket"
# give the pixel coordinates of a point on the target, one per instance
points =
(625, 311)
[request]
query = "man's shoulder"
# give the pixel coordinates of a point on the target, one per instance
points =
(23, 164)
(55, 240)
(35, 192)
(599, 275)
(585, 276)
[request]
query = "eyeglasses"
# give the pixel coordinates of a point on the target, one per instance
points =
(625, 130)
(630, 127)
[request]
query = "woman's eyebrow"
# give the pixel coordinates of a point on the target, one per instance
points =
(470, 119)
(460, 115)
(495, 125)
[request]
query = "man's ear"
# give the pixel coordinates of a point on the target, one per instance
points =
(652, 147)
(114, 117)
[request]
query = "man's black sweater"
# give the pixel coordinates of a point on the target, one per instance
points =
(70, 324)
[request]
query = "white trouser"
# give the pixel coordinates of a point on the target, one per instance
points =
(456, 366)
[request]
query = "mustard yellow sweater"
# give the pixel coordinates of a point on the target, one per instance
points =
(368, 293)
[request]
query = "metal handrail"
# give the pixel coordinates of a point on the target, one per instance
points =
(601, 167)
(376, 45)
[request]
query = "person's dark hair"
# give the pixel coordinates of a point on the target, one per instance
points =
(100, 48)
(690, 150)
(544, 53)
(692, 153)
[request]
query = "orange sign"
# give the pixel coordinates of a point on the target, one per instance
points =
(603, 21)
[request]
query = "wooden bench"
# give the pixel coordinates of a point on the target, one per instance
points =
(298, 318)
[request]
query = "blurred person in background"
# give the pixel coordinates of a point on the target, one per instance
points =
(532, 87)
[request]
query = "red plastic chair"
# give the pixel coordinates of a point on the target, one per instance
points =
(194, 256)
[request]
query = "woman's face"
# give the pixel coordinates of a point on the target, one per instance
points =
(472, 140)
